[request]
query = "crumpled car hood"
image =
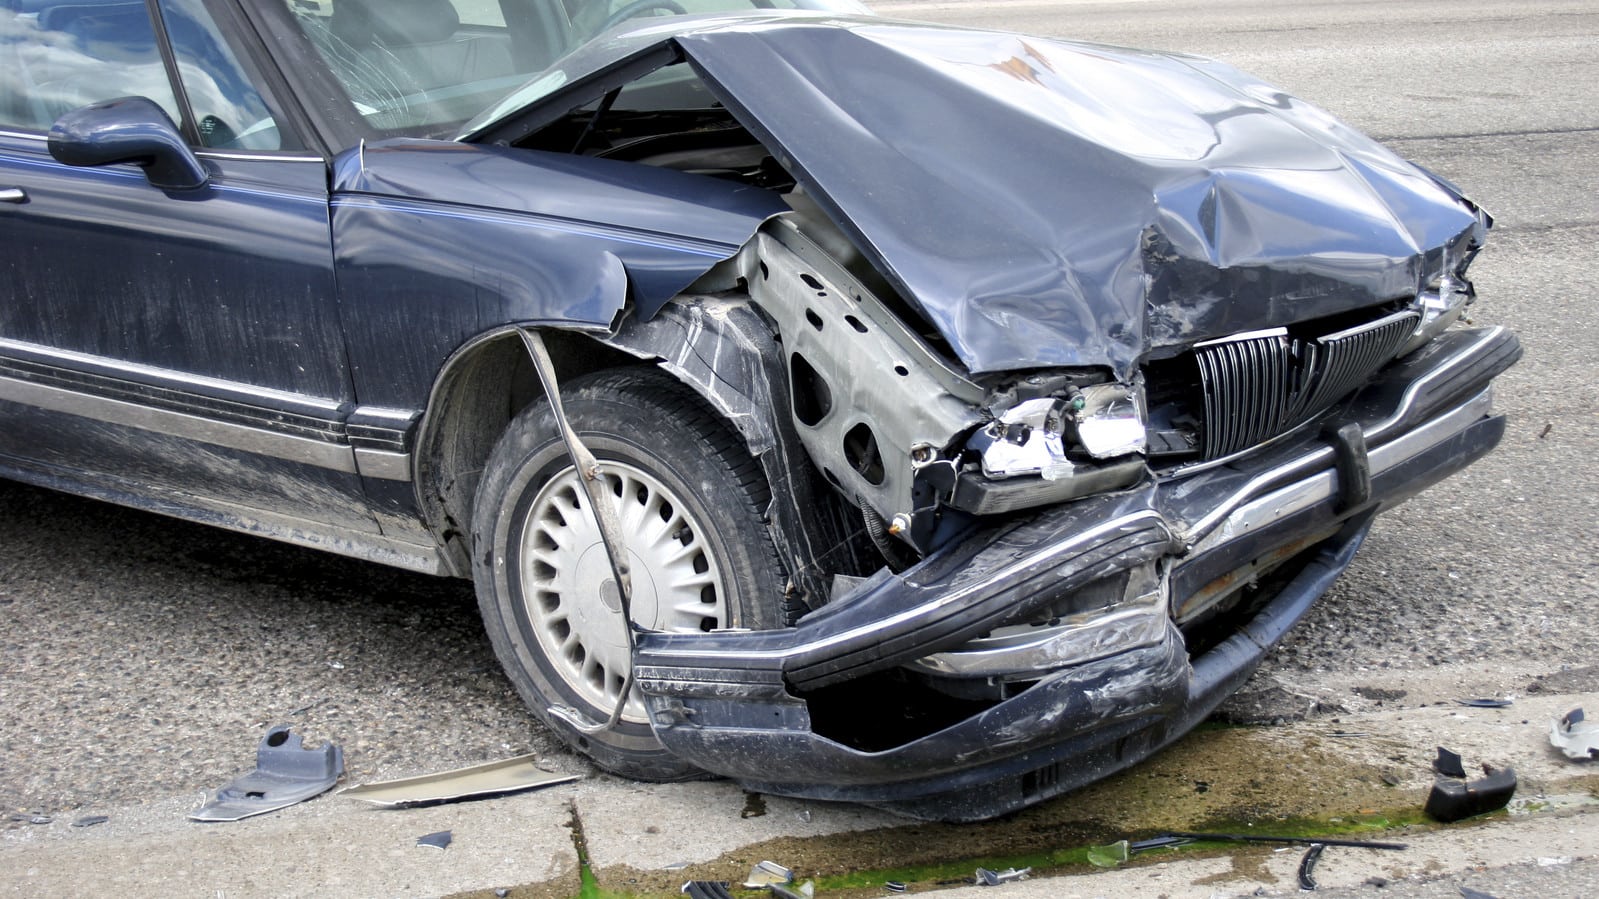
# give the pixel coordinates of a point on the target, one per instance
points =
(1047, 203)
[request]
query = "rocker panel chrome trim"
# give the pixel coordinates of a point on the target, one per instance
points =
(321, 453)
(371, 463)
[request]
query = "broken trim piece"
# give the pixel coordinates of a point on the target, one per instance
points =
(472, 782)
(285, 773)
(605, 518)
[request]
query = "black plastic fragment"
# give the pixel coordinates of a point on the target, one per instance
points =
(1448, 764)
(894, 886)
(1453, 799)
(436, 840)
(1307, 866)
(707, 889)
(1161, 842)
(1294, 841)
(90, 820)
(1469, 893)
(1485, 703)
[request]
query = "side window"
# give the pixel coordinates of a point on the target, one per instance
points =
(56, 57)
(228, 112)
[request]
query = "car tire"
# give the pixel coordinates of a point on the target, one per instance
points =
(693, 519)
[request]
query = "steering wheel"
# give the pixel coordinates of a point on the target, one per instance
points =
(641, 6)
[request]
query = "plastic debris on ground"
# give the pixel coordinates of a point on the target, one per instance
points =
(1108, 856)
(437, 840)
(894, 886)
(806, 890)
(766, 873)
(989, 878)
(1292, 841)
(1164, 842)
(1307, 866)
(1486, 703)
(473, 782)
(285, 773)
(1448, 764)
(1453, 797)
(90, 820)
(706, 889)
(1469, 893)
(1575, 736)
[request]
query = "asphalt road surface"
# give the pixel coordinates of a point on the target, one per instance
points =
(141, 657)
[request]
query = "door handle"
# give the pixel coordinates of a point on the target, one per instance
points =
(13, 195)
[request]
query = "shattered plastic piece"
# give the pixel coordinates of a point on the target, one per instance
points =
(502, 892)
(1108, 856)
(90, 820)
(707, 889)
(1448, 764)
(989, 878)
(1307, 866)
(40, 819)
(767, 873)
(1485, 703)
(285, 773)
(473, 782)
(1469, 893)
(1451, 800)
(894, 886)
(807, 890)
(1575, 736)
(436, 840)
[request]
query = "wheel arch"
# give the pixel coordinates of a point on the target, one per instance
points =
(478, 390)
(719, 346)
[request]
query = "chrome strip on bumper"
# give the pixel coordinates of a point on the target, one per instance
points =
(1248, 515)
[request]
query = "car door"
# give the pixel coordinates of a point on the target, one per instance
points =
(178, 349)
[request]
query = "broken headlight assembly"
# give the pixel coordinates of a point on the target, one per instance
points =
(1445, 298)
(1049, 449)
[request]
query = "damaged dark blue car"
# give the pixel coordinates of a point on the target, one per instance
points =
(863, 410)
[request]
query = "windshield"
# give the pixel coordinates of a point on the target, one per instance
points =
(422, 68)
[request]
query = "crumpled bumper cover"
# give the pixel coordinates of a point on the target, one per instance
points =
(733, 702)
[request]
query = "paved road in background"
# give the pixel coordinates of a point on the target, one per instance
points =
(141, 658)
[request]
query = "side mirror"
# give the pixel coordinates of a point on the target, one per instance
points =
(129, 129)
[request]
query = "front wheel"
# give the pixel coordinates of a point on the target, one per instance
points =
(691, 504)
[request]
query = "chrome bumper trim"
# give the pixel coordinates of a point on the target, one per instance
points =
(1246, 512)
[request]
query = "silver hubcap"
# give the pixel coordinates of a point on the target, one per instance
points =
(572, 599)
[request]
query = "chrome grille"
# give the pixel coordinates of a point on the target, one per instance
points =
(1258, 386)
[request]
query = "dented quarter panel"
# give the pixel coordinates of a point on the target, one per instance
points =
(438, 241)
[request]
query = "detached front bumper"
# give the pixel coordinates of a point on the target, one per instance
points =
(737, 704)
